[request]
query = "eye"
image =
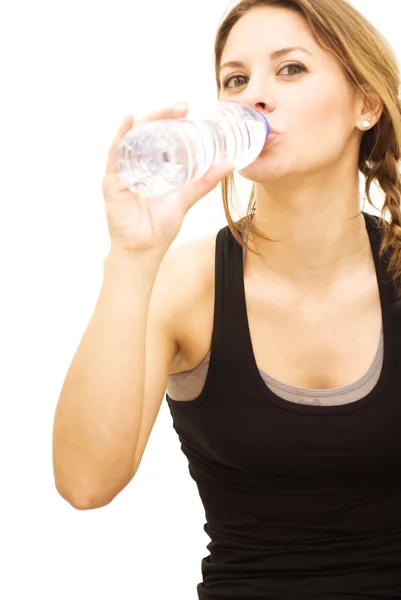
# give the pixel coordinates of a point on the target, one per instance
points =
(227, 82)
(301, 68)
(242, 79)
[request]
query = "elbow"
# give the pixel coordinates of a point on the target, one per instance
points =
(83, 501)
(87, 503)
(85, 495)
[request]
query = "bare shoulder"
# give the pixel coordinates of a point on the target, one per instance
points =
(183, 298)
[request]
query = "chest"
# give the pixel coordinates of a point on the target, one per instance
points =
(311, 338)
(307, 338)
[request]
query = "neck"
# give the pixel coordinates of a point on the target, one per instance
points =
(316, 230)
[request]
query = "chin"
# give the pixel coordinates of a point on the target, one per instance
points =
(264, 170)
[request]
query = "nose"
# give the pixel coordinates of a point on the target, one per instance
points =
(259, 93)
(260, 106)
(259, 101)
(263, 105)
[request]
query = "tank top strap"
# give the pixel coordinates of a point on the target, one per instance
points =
(229, 310)
(375, 232)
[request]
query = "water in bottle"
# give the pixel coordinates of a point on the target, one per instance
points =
(158, 157)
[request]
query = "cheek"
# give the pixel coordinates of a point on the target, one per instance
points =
(316, 128)
(319, 127)
(314, 116)
(334, 105)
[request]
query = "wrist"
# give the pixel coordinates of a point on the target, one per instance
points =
(133, 264)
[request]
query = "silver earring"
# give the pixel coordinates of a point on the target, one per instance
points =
(366, 123)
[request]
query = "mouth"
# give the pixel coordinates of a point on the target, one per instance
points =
(273, 135)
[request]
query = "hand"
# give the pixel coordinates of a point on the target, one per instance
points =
(140, 224)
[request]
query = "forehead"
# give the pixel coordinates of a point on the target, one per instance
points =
(266, 29)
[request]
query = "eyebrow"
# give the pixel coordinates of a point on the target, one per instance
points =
(277, 54)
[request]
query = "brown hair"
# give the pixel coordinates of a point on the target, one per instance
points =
(369, 62)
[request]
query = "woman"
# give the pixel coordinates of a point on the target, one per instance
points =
(277, 341)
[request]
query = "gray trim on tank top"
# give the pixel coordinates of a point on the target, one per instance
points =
(188, 385)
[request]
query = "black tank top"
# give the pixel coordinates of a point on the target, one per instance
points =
(300, 501)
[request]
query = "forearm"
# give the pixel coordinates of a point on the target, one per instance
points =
(98, 416)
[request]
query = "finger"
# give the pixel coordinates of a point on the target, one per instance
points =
(198, 189)
(126, 125)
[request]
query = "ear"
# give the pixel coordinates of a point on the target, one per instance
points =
(370, 105)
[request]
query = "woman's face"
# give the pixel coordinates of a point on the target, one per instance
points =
(304, 94)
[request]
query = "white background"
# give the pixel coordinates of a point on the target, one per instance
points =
(69, 72)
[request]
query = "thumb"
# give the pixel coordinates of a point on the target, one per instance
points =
(196, 190)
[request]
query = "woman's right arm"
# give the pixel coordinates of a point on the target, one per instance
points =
(99, 415)
(99, 412)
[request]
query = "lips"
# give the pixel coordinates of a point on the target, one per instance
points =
(273, 135)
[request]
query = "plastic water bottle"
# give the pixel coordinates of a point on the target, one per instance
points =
(158, 157)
